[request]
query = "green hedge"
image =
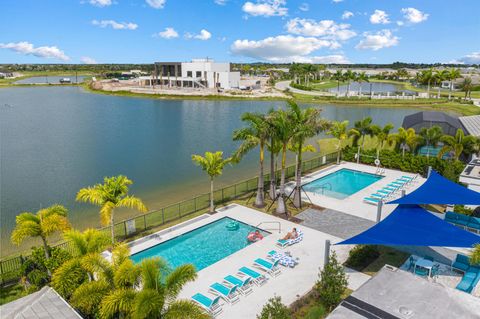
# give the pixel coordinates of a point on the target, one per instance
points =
(410, 163)
(300, 86)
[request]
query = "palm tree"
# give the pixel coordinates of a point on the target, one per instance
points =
(427, 76)
(406, 139)
(43, 224)
(383, 136)
(339, 131)
(363, 128)
(338, 76)
(453, 74)
(256, 134)
(349, 76)
(439, 77)
(361, 78)
(213, 164)
(112, 194)
(274, 147)
(467, 87)
(458, 144)
(86, 242)
(430, 137)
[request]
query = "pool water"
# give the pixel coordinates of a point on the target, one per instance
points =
(203, 246)
(341, 183)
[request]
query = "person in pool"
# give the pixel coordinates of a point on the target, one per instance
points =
(291, 235)
(255, 236)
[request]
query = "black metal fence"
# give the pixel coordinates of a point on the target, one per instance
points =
(9, 268)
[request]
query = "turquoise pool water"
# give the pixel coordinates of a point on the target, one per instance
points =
(203, 246)
(342, 183)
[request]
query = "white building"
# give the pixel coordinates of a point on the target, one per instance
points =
(199, 73)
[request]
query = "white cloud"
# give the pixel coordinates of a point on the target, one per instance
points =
(379, 17)
(266, 8)
(220, 2)
(472, 58)
(323, 28)
(281, 48)
(101, 3)
(156, 4)
(203, 35)
(381, 39)
(347, 15)
(42, 52)
(413, 15)
(168, 33)
(304, 7)
(115, 25)
(400, 23)
(325, 59)
(337, 1)
(88, 60)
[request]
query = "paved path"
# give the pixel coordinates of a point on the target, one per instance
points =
(283, 85)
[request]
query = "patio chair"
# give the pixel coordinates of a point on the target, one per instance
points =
(372, 201)
(270, 268)
(461, 263)
(469, 280)
(283, 259)
(257, 278)
(420, 271)
(229, 294)
(282, 243)
(212, 306)
(244, 285)
(411, 263)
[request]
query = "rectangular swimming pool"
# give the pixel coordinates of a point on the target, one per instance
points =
(342, 183)
(203, 246)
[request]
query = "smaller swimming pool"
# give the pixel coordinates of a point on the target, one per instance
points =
(203, 246)
(342, 183)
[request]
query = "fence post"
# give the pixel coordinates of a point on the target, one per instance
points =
(179, 211)
(125, 228)
(195, 204)
(163, 215)
(223, 198)
(144, 221)
(326, 257)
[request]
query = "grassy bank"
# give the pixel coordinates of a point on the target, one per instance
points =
(25, 75)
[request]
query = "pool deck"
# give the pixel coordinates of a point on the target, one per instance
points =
(354, 204)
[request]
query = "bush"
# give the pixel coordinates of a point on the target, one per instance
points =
(361, 256)
(460, 209)
(274, 309)
(332, 283)
(300, 87)
(316, 312)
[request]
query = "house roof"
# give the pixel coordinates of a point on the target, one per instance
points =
(45, 303)
(432, 118)
(471, 124)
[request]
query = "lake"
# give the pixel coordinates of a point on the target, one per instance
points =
(56, 140)
(376, 87)
(50, 79)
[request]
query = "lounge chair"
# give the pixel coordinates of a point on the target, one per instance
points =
(283, 259)
(212, 306)
(371, 200)
(244, 285)
(420, 271)
(270, 268)
(469, 280)
(282, 243)
(229, 294)
(257, 278)
(461, 263)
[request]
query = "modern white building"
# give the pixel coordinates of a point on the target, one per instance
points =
(199, 73)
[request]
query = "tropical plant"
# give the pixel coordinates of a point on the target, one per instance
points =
(338, 76)
(274, 309)
(406, 139)
(42, 224)
(383, 136)
(361, 129)
(112, 194)
(475, 256)
(212, 164)
(255, 134)
(431, 136)
(453, 74)
(274, 147)
(439, 77)
(332, 283)
(339, 130)
(467, 87)
(427, 76)
(361, 78)
(458, 144)
(87, 242)
(349, 76)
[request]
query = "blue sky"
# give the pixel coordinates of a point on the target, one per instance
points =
(323, 31)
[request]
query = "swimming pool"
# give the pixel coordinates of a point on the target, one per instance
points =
(203, 246)
(342, 183)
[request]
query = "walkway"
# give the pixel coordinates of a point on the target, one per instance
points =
(283, 85)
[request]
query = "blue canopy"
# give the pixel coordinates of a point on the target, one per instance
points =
(439, 190)
(411, 225)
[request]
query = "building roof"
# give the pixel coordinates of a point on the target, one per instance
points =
(45, 303)
(397, 294)
(449, 123)
(471, 124)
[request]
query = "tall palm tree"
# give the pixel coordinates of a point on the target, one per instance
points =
(439, 77)
(467, 87)
(112, 194)
(431, 136)
(212, 164)
(383, 136)
(458, 144)
(349, 76)
(274, 147)
(339, 130)
(406, 139)
(255, 134)
(87, 242)
(338, 76)
(361, 78)
(453, 74)
(364, 128)
(42, 224)
(427, 76)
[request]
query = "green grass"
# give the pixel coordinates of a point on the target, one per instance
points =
(11, 293)
(28, 74)
(388, 256)
(326, 85)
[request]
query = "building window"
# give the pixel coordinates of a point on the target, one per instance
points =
(189, 74)
(199, 74)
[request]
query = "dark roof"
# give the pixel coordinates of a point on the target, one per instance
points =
(430, 117)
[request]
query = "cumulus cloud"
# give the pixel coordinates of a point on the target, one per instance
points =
(304, 7)
(472, 58)
(266, 8)
(413, 15)
(281, 48)
(379, 17)
(203, 35)
(115, 25)
(88, 60)
(323, 28)
(347, 15)
(337, 1)
(376, 41)
(220, 2)
(101, 3)
(168, 33)
(27, 48)
(325, 59)
(156, 4)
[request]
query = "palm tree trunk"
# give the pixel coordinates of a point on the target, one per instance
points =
(272, 176)
(428, 89)
(281, 208)
(338, 152)
(360, 90)
(47, 253)
(212, 208)
(259, 201)
(297, 197)
(450, 90)
(112, 228)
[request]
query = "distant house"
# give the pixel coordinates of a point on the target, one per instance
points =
(5, 74)
(427, 119)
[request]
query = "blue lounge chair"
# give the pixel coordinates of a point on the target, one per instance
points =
(371, 200)
(270, 268)
(257, 278)
(282, 243)
(212, 306)
(283, 259)
(469, 280)
(420, 271)
(474, 224)
(244, 285)
(229, 294)
(461, 263)
(411, 263)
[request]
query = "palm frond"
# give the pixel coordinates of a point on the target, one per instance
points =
(53, 223)
(25, 229)
(119, 303)
(130, 201)
(68, 277)
(185, 309)
(178, 278)
(120, 253)
(152, 270)
(127, 274)
(87, 297)
(77, 241)
(106, 213)
(90, 195)
(148, 304)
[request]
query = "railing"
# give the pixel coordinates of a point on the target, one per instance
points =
(271, 222)
(133, 226)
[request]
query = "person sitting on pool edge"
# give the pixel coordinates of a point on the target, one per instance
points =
(291, 235)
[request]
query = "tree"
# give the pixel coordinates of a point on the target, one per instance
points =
(339, 131)
(361, 78)
(430, 136)
(332, 283)
(112, 194)
(43, 224)
(338, 76)
(255, 134)
(362, 128)
(475, 256)
(274, 309)
(427, 76)
(467, 87)
(86, 242)
(453, 74)
(405, 139)
(439, 77)
(212, 164)
(458, 144)
(274, 147)
(383, 136)
(349, 76)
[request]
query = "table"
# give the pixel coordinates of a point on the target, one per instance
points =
(425, 263)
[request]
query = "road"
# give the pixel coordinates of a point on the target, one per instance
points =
(283, 85)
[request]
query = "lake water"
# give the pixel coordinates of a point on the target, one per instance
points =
(50, 79)
(56, 140)
(375, 87)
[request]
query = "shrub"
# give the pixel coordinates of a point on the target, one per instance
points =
(361, 256)
(274, 309)
(301, 87)
(332, 283)
(460, 209)
(316, 312)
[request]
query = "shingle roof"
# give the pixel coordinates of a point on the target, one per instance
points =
(45, 303)
(471, 124)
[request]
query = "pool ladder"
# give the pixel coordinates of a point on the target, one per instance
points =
(271, 222)
(324, 186)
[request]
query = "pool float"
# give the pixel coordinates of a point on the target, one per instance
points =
(253, 237)
(232, 225)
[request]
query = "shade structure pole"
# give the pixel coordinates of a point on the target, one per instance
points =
(429, 171)
(404, 192)
(379, 211)
(326, 257)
